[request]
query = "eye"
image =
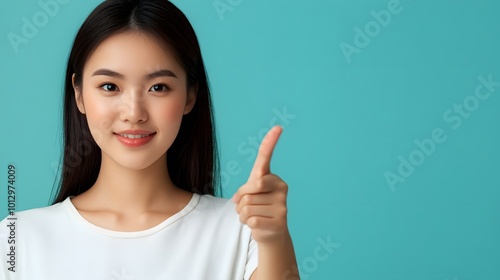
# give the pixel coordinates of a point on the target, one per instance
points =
(159, 87)
(108, 87)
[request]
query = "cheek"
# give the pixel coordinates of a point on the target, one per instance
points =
(99, 117)
(171, 111)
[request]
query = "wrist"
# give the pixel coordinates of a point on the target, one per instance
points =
(277, 241)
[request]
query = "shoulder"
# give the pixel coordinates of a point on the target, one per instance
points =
(216, 205)
(218, 218)
(37, 217)
(216, 202)
(213, 209)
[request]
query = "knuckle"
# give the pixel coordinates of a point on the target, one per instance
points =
(281, 196)
(253, 222)
(246, 199)
(283, 211)
(245, 211)
(242, 219)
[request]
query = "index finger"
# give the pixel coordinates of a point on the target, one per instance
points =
(262, 165)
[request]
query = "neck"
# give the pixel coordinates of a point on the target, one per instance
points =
(133, 190)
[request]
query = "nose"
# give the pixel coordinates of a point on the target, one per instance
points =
(132, 108)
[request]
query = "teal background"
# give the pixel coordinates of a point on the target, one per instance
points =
(351, 121)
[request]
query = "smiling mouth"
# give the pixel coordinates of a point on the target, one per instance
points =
(135, 136)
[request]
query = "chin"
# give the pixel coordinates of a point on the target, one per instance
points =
(134, 162)
(138, 164)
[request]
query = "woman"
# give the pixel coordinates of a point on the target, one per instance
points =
(137, 196)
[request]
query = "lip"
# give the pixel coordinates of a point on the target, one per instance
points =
(135, 131)
(135, 142)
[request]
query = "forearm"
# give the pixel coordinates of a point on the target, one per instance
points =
(277, 260)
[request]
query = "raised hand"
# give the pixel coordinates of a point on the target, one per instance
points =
(261, 201)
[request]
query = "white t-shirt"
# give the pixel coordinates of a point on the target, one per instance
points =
(205, 240)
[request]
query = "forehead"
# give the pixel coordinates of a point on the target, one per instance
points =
(132, 53)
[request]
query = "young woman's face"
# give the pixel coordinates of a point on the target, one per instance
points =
(131, 83)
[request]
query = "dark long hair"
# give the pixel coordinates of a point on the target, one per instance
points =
(193, 160)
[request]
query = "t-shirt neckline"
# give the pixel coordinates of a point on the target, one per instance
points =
(130, 234)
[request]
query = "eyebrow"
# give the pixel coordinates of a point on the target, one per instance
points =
(159, 73)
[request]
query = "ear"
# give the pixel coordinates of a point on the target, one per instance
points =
(191, 98)
(78, 95)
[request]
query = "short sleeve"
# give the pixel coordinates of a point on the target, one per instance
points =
(252, 258)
